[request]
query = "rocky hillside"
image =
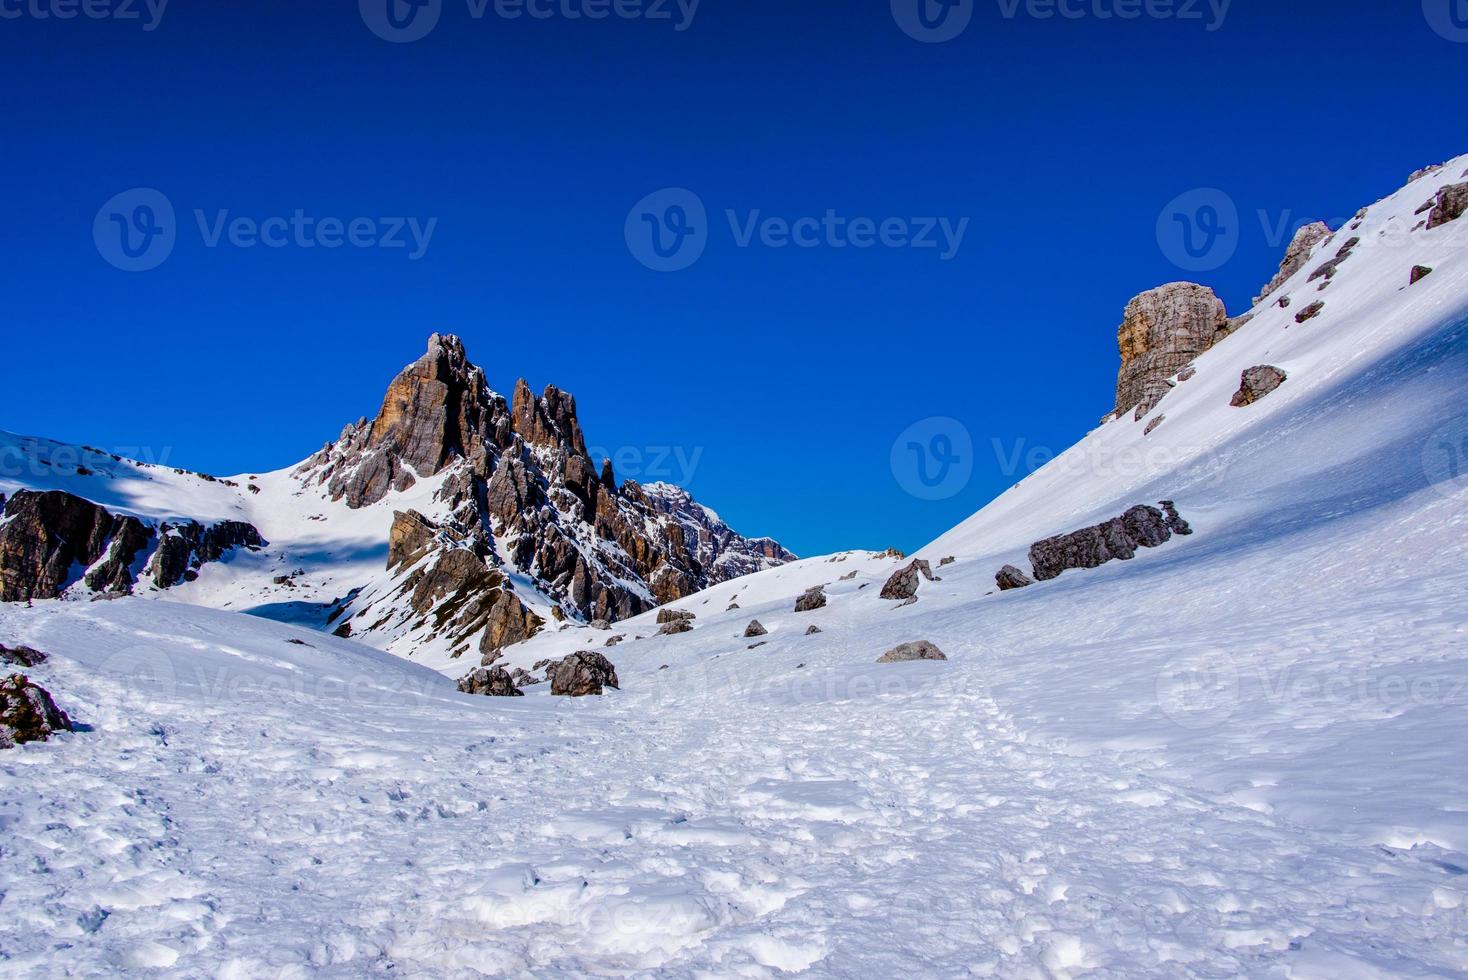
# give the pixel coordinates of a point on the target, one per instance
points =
(454, 516)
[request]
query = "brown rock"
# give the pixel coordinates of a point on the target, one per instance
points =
(1310, 312)
(1450, 205)
(814, 598)
(903, 583)
(582, 674)
(1302, 246)
(492, 682)
(1010, 578)
(27, 713)
(1256, 383)
(1419, 273)
(1163, 330)
(907, 652)
(755, 629)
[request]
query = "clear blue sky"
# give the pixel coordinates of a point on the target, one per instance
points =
(784, 374)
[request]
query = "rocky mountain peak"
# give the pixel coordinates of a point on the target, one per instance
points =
(548, 421)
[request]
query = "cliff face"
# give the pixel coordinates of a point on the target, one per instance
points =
(1163, 330)
(525, 495)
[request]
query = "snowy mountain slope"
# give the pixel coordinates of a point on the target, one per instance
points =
(516, 528)
(1238, 753)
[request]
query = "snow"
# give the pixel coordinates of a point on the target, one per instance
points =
(1239, 753)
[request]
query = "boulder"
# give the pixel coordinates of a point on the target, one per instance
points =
(755, 629)
(812, 630)
(916, 650)
(903, 583)
(28, 713)
(1256, 383)
(21, 656)
(523, 678)
(1152, 425)
(582, 674)
(1419, 273)
(1173, 519)
(1310, 312)
(1450, 205)
(1010, 578)
(814, 598)
(1092, 547)
(675, 626)
(1162, 331)
(493, 682)
(1298, 253)
(673, 615)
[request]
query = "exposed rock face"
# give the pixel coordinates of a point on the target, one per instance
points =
(46, 535)
(907, 652)
(27, 713)
(1451, 204)
(903, 583)
(1256, 383)
(583, 674)
(1163, 330)
(755, 629)
(1010, 578)
(518, 472)
(492, 682)
(814, 598)
(1299, 252)
(510, 622)
(1092, 547)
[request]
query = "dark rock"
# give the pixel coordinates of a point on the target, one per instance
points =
(510, 622)
(673, 615)
(21, 656)
(27, 713)
(812, 630)
(1152, 425)
(583, 674)
(1256, 383)
(1450, 205)
(756, 646)
(813, 598)
(675, 626)
(1419, 273)
(601, 624)
(1173, 519)
(1284, 302)
(114, 573)
(944, 562)
(412, 536)
(493, 682)
(1310, 312)
(916, 650)
(44, 536)
(755, 629)
(903, 583)
(1092, 547)
(523, 678)
(1010, 578)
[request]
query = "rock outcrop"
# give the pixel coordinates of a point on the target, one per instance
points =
(1451, 204)
(525, 494)
(1256, 383)
(1163, 330)
(492, 682)
(1115, 540)
(1296, 256)
(46, 535)
(28, 713)
(908, 652)
(583, 674)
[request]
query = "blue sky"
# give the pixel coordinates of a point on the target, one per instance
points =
(773, 380)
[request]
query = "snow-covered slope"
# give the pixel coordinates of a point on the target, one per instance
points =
(1238, 753)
